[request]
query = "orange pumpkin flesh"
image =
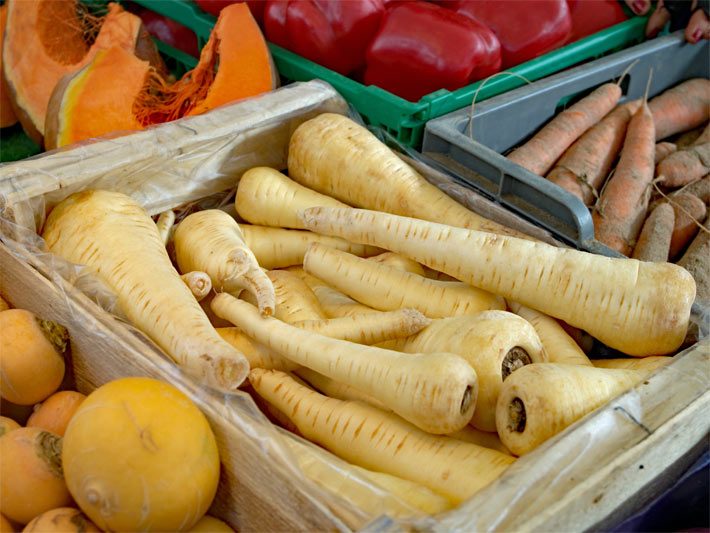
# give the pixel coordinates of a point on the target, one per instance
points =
(117, 92)
(7, 115)
(47, 39)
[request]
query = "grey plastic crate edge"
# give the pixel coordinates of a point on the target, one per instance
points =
(511, 185)
(505, 115)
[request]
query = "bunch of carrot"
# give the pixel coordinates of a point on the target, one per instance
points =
(643, 169)
(415, 339)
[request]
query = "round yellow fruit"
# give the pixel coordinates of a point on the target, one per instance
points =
(138, 455)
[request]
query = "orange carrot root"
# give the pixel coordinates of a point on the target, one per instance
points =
(622, 207)
(655, 240)
(663, 150)
(540, 153)
(690, 212)
(681, 108)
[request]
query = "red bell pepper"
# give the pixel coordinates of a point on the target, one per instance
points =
(591, 16)
(422, 47)
(213, 7)
(170, 32)
(334, 34)
(525, 29)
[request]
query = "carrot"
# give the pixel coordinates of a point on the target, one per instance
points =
(690, 212)
(688, 165)
(376, 440)
(700, 188)
(333, 302)
(258, 355)
(622, 206)
(111, 234)
(336, 156)
(399, 262)
(540, 400)
(266, 197)
(211, 241)
(546, 146)
(663, 150)
(619, 301)
(386, 288)
(684, 107)
(199, 283)
(583, 168)
(436, 392)
(559, 346)
(165, 224)
(654, 243)
(695, 261)
(642, 364)
(480, 438)
(279, 248)
(335, 389)
(494, 343)
(369, 328)
(401, 497)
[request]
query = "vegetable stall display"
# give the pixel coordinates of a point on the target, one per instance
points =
(421, 399)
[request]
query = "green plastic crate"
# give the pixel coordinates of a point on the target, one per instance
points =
(403, 119)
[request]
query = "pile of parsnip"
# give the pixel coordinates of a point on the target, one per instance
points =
(643, 170)
(377, 317)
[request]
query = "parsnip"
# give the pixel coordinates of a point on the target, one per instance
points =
(199, 283)
(335, 389)
(642, 364)
(559, 346)
(480, 438)
(165, 224)
(258, 355)
(111, 234)
(279, 248)
(369, 328)
(387, 288)
(266, 197)
(540, 400)
(295, 301)
(399, 262)
(373, 439)
(437, 391)
(334, 303)
(314, 462)
(211, 241)
(336, 156)
(494, 343)
(636, 307)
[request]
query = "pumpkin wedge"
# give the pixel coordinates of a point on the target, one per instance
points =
(47, 39)
(117, 92)
(7, 115)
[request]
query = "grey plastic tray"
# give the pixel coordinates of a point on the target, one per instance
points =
(505, 121)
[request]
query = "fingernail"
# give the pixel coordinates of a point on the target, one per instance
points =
(697, 34)
(638, 6)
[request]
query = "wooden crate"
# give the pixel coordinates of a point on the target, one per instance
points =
(593, 474)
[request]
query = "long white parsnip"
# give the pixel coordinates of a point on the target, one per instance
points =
(266, 197)
(374, 439)
(279, 247)
(111, 234)
(210, 241)
(636, 307)
(388, 288)
(436, 391)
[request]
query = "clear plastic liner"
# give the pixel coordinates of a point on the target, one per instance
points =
(180, 163)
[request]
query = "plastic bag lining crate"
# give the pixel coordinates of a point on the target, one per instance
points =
(590, 472)
(403, 119)
(501, 123)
